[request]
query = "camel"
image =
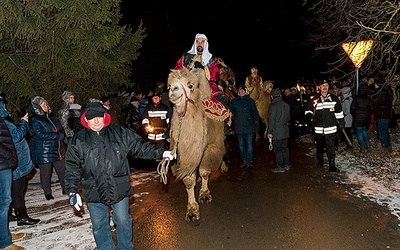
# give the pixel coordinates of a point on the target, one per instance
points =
(262, 96)
(196, 138)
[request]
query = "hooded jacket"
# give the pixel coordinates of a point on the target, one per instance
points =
(98, 160)
(47, 144)
(64, 114)
(18, 133)
(346, 104)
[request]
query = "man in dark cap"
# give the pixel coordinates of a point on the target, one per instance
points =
(245, 119)
(325, 110)
(97, 159)
(156, 120)
(278, 130)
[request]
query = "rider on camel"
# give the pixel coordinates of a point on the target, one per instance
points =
(199, 57)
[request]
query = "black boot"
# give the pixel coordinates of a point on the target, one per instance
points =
(24, 220)
(332, 167)
(320, 159)
(11, 217)
(49, 197)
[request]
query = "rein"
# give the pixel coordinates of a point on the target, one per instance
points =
(163, 166)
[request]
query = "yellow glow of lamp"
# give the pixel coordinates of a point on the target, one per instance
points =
(358, 51)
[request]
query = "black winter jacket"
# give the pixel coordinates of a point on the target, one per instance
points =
(278, 119)
(382, 103)
(99, 161)
(361, 108)
(8, 154)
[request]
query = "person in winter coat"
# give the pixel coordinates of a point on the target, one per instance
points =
(156, 121)
(361, 109)
(346, 101)
(132, 116)
(24, 167)
(245, 119)
(278, 130)
(382, 109)
(69, 115)
(8, 162)
(47, 144)
(325, 110)
(97, 160)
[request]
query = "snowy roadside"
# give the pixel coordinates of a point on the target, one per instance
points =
(376, 174)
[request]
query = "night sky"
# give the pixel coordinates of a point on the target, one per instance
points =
(243, 33)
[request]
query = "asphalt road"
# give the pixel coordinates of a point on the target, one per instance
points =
(303, 208)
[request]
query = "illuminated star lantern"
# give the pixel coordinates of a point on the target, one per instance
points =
(358, 51)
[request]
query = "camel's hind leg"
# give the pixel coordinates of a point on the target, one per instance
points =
(193, 212)
(204, 195)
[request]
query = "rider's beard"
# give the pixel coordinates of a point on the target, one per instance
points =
(199, 50)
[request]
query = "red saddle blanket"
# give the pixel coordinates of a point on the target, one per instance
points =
(214, 109)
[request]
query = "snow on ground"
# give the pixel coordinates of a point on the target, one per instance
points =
(373, 175)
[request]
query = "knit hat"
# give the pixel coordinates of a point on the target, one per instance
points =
(94, 109)
(276, 92)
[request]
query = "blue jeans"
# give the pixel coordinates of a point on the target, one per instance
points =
(383, 132)
(362, 137)
(5, 201)
(246, 147)
(100, 217)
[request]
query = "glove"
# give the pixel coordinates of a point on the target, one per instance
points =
(168, 154)
(198, 65)
(309, 116)
(75, 201)
(341, 123)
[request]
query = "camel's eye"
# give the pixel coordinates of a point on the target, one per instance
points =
(190, 85)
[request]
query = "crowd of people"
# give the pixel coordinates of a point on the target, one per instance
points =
(88, 145)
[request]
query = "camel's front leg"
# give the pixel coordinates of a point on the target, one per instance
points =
(193, 212)
(204, 195)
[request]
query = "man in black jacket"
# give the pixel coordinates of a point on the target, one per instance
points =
(325, 110)
(278, 130)
(8, 162)
(97, 159)
(382, 108)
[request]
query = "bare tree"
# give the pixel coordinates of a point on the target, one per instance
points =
(337, 21)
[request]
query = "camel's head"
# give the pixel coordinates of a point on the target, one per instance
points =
(187, 85)
(269, 85)
(181, 84)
